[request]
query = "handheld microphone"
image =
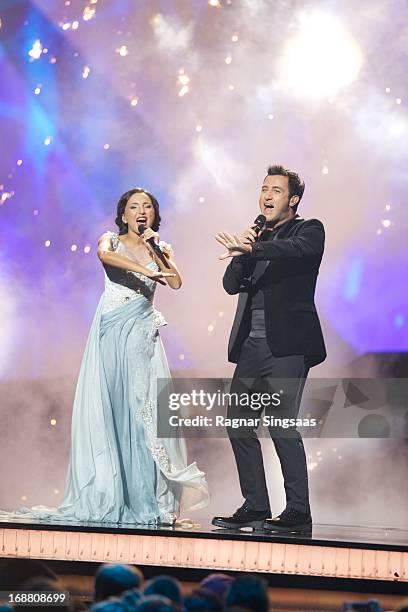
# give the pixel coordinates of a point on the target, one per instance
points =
(141, 229)
(259, 223)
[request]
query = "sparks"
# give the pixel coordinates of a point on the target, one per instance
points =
(123, 51)
(36, 50)
(88, 13)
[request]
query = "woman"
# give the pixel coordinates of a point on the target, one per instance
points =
(119, 471)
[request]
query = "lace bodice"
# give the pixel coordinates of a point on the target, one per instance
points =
(122, 286)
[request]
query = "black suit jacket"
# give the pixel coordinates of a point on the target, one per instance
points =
(288, 282)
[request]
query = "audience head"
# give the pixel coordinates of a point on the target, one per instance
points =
(111, 605)
(15, 571)
(218, 584)
(156, 603)
(164, 585)
(131, 599)
(248, 592)
(44, 585)
(111, 580)
(201, 600)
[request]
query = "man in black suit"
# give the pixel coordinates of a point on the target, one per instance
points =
(276, 335)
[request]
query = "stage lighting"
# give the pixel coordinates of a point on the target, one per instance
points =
(219, 165)
(320, 59)
(36, 50)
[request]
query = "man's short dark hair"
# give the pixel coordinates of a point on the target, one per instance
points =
(296, 183)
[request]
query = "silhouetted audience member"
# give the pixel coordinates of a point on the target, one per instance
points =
(113, 580)
(164, 585)
(218, 584)
(363, 606)
(403, 606)
(44, 585)
(248, 592)
(131, 599)
(156, 603)
(15, 571)
(111, 605)
(201, 600)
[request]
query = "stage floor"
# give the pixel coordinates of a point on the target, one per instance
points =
(387, 538)
(360, 552)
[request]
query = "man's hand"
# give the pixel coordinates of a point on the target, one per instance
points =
(249, 235)
(235, 245)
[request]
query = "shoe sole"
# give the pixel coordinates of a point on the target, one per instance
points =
(306, 528)
(254, 524)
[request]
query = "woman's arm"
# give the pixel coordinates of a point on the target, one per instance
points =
(108, 256)
(173, 281)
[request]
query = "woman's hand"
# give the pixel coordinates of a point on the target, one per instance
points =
(157, 276)
(165, 262)
(148, 234)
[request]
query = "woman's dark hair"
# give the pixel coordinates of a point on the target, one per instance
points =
(122, 205)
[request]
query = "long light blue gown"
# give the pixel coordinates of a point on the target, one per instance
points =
(119, 471)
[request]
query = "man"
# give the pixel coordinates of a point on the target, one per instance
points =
(276, 335)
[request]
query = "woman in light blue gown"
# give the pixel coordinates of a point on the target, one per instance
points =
(119, 470)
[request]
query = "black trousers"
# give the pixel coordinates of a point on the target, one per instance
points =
(256, 362)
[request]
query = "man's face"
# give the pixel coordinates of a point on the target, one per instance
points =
(274, 199)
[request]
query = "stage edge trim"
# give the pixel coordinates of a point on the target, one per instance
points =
(201, 553)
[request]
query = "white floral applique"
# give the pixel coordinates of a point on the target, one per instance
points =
(158, 451)
(165, 246)
(158, 319)
(114, 238)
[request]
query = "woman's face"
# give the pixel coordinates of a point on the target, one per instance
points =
(139, 210)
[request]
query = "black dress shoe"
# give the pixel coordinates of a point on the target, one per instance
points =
(243, 517)
(290, 521)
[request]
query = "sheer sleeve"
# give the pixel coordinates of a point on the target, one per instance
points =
(114, 239)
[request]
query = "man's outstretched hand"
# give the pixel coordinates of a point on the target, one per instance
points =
(235, 245)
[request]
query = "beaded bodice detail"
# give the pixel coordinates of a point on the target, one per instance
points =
(122, 286)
